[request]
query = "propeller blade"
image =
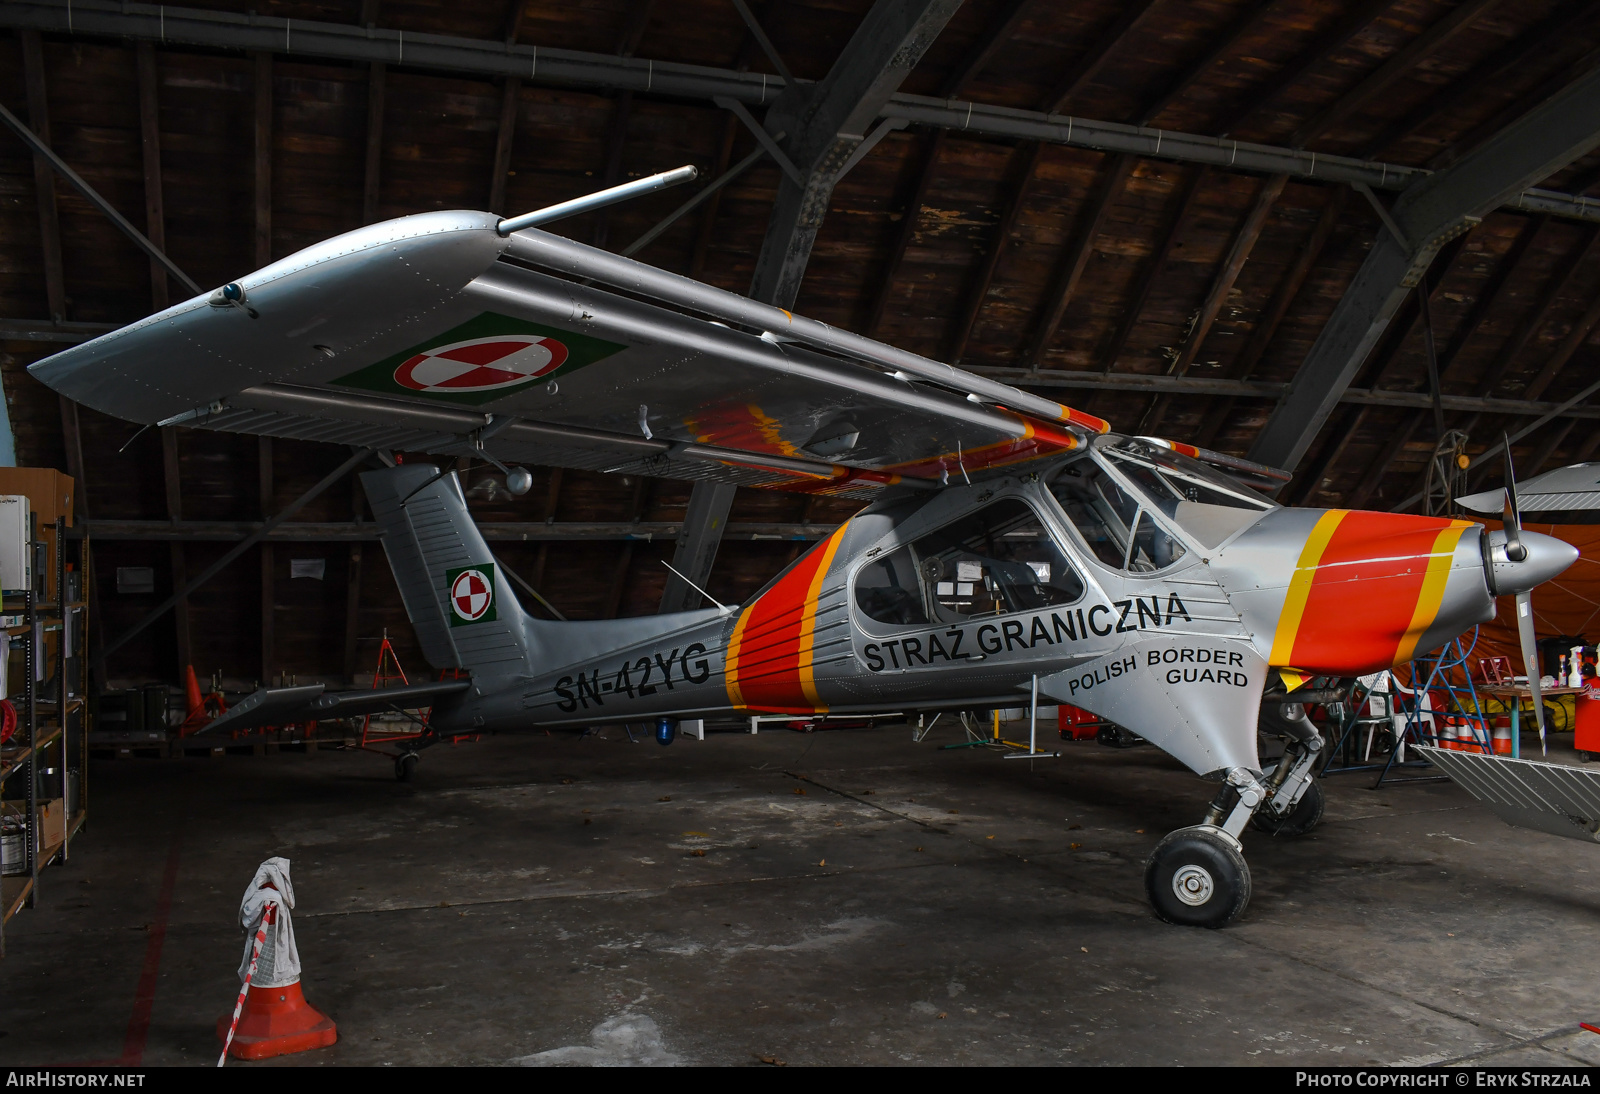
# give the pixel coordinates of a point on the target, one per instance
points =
(1511, 513)
(1530, 661)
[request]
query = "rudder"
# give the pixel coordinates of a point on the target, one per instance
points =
(462, 607)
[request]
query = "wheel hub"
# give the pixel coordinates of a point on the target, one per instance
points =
(1193, 885)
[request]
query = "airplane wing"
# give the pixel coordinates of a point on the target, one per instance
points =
(310, 702)
(434, 333)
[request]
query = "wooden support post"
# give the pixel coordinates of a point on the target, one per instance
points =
(552, 499)
(352, 592)
(171, 465)
(263, 159)
(619, 579)
(376, 77)
(268, 611)
(44, 178)
(509, 95)
(155, 221)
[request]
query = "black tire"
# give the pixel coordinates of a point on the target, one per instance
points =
(1204, 866)
(1306, 814)
(1586, 757)
(405, 766)
(1114, 736)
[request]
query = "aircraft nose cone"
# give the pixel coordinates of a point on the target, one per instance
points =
(1547, 557)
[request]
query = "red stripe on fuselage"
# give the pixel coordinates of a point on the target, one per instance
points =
(768, 671)
(1364, 592)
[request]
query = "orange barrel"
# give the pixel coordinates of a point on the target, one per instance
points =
(1586, 737)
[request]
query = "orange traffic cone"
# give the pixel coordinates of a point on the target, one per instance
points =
(276, 1022)
(191, 694)
(272, 1017)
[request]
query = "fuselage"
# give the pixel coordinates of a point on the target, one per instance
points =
(963, 596)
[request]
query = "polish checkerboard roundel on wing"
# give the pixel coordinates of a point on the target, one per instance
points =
(481, 364)
(470, 594)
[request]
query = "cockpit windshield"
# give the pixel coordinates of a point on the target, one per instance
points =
(1203, 502)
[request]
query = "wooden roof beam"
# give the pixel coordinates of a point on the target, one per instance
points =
(1429, 213)
(826, 121)
(1507, 62)
(1402, 63)
(1245, 24)
(978, 291)
(44, 179)
(495, 59)
(1379, 467)
(1535, 319)
(1244, 241)
(1188, 195)
(1289, 287)
(1316, 51)
(1576, 337)
(1087, 66)
(1070, 271)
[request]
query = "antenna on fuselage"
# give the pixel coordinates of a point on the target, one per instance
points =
(720, 605)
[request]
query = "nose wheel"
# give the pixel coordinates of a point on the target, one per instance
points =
(405, 766)
(1197, 877)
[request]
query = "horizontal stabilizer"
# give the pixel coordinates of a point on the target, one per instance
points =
(312, 702)
(1553, 798)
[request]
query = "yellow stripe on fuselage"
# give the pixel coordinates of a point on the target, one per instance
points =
(1432, 594)
(808, 621)
(1294, 601)
(730, 663)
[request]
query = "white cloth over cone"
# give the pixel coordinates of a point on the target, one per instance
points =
(279, 965)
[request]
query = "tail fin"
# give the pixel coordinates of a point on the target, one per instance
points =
(463, 608)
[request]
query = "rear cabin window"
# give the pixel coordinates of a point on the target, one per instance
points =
(998, 560)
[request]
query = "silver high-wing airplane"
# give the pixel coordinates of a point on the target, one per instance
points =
(1004, 538)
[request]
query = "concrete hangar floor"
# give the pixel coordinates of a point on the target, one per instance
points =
(843, 897)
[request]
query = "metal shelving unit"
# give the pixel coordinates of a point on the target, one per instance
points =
(51, 746)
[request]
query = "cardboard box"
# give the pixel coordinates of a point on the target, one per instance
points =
(52, 820)
(50, 495)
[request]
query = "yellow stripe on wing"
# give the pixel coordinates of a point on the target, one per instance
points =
(1305, 570)
(1431, 596)
(808, 621)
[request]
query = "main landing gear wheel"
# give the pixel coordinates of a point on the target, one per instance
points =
(1306, 814)
(1196, 877)
(405, 766)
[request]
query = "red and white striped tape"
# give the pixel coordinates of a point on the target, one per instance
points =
(267, 917)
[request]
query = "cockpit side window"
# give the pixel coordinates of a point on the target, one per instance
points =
(1098, 508)
(1120, 531)
(998, 560)
(1201, 502)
